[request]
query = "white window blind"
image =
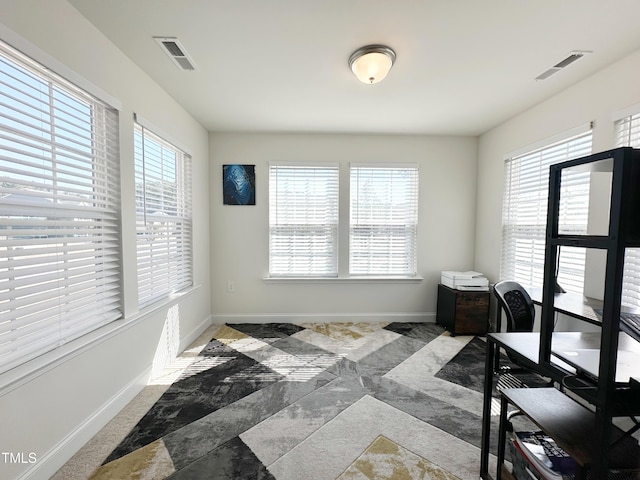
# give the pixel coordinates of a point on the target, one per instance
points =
(60, 265)
(524, 216)
(384, 220)
(303, 220)
(163, 214)
(628, 131)
(628, 135)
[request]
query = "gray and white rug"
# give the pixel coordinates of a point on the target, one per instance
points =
(315, 401)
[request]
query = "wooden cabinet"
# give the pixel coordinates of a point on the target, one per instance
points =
(462, 312)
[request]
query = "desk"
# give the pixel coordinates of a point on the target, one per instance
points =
(589, 310)
(582, 351)
(585, 357)
(618, 398)
(607, 399)
(525, 347)
(571, 304)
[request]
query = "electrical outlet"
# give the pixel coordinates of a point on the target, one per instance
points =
(231, 286)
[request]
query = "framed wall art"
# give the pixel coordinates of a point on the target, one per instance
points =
(239, 184)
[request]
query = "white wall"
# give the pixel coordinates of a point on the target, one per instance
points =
(239, 234)
(593, 99)
(53, 410)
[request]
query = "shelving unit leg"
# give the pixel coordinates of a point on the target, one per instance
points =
(486, 412)
(502, 436)
(599, 470)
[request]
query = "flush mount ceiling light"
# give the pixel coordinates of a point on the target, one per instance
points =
(372, 63)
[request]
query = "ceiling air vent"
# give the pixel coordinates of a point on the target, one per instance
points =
(572, 57)
(176, 52)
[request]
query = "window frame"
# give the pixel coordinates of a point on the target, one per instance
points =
(627, 134)
(387, 221)
(531, 236)
(164, 220)
(296, 211)
(72, 174)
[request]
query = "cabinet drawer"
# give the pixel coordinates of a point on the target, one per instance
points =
(476, 299)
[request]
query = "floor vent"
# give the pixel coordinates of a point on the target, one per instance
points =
(176, 52)
(572, 57)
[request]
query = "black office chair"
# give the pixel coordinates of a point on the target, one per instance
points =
(517, 305)
(520, 313)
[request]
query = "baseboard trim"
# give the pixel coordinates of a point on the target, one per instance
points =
(55, 458)
(425, 317)
(195, 333)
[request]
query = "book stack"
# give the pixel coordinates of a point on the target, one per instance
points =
(543, 459)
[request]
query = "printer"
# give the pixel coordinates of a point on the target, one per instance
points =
(474, 281)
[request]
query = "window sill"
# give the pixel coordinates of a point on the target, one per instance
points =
(351, 279)
(26, 372)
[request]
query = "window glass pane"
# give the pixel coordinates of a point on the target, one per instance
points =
(60, 266)
(628, 135)
(163, 213)
(525, 214)
(303, 220)
(384, 220)
(573, 218)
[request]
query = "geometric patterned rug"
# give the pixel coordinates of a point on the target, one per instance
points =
(318, 401)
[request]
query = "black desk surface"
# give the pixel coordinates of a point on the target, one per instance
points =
(527, 344)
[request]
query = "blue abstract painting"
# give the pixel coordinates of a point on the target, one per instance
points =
(239, 184)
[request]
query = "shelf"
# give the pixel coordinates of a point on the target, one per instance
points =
(572, 426)
(573, 305)
(586, 309)
(589, 241)
(585, 241)
(621, 166)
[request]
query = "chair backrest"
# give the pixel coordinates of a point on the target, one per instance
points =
(517, 304)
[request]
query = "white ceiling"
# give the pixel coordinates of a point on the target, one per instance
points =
(462, 67)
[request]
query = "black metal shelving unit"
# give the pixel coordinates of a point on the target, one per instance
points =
(607, 396)
(602, 396)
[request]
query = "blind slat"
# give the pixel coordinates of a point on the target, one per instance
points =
(59, 211)
(384, 220)
(628, 135)
(524, 214)
(163, 226)
(303, 220)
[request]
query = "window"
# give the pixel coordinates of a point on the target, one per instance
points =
(303, 220)
(628, 135)
(60, 265)
(524, 215)
(163, 217)
(628, 131)
(384, 220)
